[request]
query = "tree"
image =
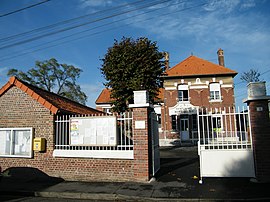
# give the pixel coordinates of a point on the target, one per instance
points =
(131, 65)
(54, 77)
(251, 75)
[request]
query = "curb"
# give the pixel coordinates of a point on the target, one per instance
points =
(115, 197)
(111, 197)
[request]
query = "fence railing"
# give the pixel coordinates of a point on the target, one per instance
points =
(224, 128)
(124, 139)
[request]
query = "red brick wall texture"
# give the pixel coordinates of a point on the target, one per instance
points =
(20, 110)
(261, 139)
(198, 97)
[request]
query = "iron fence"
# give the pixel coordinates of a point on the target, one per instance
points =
(124, 132)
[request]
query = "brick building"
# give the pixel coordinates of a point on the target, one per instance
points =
(28, 113)
(191, 84)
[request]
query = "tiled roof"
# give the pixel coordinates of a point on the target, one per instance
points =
(197, 66)
(105, 96)
(53, 102)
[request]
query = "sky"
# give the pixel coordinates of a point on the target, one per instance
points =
(79, 33)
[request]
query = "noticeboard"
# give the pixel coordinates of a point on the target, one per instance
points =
(93, 131)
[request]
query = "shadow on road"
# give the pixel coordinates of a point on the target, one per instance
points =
(16, 180)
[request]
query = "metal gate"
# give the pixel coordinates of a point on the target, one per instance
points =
(155, 143)
(225, 143)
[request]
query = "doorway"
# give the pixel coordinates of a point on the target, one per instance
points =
(184, 129)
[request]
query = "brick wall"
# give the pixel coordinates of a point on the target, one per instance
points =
(20, 110)
(260, 127)
(141, 145)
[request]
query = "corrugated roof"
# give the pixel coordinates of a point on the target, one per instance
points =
(105, 96)
(53, 102)
(197, 66)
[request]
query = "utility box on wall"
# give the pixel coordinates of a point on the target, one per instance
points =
(39, 144)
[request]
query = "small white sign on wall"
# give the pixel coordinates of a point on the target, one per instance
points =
(139, 124)
(259, 109)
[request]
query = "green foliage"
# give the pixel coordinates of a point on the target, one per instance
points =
(131, 65)
(54, 77)
(251, 75)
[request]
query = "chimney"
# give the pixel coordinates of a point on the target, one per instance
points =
(220, 57)
(166, 60)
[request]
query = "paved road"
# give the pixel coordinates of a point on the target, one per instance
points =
(42, 199)
(176, 180)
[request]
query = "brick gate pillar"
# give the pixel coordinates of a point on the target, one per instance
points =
(141, 136)
(260, 128)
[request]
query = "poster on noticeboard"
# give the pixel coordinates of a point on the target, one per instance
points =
(93, 131)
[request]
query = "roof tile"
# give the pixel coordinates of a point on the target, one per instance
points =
(105, 96)
(53, 102)
(196, 66)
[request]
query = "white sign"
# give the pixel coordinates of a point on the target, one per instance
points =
(139, 124)
(93, 131)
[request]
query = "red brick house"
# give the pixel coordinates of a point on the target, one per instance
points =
(28, 112)
(191, 84)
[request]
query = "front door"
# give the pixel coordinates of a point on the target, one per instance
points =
(184, 129)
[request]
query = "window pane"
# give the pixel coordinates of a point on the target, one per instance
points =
(183, 95)
(159, 120)
(212, 95)
(173, 122)
(217, 95)
(5, 139)
(215, 91)
(16, 142)
(216, 122)
(22, 142)
(180, 95)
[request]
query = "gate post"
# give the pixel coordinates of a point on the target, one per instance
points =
(260, 128)
(141, 136)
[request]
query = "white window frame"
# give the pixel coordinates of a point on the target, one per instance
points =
(13, 144)
(181, 88)
(215, 89)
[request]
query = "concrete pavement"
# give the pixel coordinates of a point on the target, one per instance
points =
(177, 180)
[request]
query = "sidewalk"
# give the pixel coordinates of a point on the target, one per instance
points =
(175, 181)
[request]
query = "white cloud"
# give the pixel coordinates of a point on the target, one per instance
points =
(95, 3)
(248, 4)
(213, 25)
(3, 76)
(225, 6)
(3, 71)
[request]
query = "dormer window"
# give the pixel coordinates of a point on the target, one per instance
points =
(183, 93)
(215, 91)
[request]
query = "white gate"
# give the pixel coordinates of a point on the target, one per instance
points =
(155, 143)
(225, 143)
